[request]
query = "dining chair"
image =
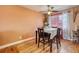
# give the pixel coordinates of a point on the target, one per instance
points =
(44, 37)
(57, 38)
(76, 36)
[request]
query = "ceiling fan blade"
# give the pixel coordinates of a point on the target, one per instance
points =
(55, 11)
(48, 5)
(43, 11)
(50, 9)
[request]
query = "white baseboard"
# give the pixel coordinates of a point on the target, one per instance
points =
(17, 42)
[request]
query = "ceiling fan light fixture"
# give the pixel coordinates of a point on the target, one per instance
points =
(49, 12)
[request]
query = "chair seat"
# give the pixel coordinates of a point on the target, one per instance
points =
(46, 41)
(44, 34)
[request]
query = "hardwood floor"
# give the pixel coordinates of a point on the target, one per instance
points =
(31, 47)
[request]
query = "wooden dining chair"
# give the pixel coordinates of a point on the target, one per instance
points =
(44, 37)
(57, 38)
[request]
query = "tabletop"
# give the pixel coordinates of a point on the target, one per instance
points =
(53, 31)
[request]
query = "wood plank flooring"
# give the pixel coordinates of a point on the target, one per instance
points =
(66, 47)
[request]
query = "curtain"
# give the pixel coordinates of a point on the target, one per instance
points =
(61, 21)
(55, 21)
(66, 25)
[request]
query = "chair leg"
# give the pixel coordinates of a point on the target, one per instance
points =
(43, 46)
(36, 38)
(57, 43)
(38, 45)
(50, 43)
(38, 42)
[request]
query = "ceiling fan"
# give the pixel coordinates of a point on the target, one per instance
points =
(50, 10)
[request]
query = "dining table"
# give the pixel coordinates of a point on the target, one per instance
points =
(53, 32)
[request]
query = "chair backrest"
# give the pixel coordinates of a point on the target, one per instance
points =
(58, 32)
(41, 32)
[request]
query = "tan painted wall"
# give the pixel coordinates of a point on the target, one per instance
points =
(17, 21)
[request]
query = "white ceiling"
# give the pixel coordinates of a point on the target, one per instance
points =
(40, 8)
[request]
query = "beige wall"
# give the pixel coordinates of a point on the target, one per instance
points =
(17, 21)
